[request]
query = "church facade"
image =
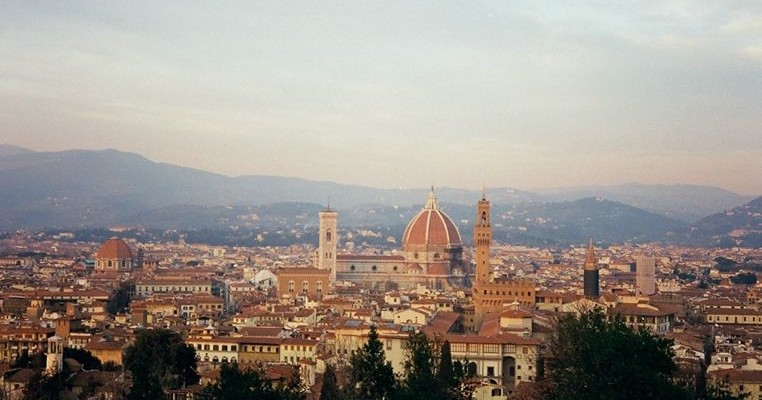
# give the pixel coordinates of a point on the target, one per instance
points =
(432, 254)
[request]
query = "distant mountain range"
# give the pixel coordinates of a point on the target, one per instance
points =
(685, 202)
(88, 189)
(741, 226)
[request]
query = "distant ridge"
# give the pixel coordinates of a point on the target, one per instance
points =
(9, 149)
(686, 202)
(741, 226)
(87, 188)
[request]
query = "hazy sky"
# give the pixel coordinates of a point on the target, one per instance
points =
(409, 93)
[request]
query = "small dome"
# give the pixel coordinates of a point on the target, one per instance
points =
(114, 249)
(431, 227)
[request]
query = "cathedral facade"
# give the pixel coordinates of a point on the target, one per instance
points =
(432, 254)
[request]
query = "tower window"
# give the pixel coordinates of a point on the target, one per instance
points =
(328, 236)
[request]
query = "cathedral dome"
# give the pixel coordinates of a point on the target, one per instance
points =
(431, 227)
(114, 249)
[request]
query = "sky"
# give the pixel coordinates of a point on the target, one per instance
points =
(523, 94)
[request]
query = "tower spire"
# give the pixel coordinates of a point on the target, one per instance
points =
(590, 262)
(591, 280)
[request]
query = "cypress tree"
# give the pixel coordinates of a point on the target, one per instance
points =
(371, 377)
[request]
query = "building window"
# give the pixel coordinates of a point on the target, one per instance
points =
(305, 287)
(291, 285)
(490, 371)
(388, 344)
(374, 268)
(497, 392)
(352, 267)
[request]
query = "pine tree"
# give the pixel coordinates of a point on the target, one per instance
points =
(445, 372)
(420, 361)
(159, 359)
(330, 389)
(371, 377)
(593, 357)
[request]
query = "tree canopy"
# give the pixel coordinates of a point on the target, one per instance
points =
(371, 377)
(235, 384)
(430, 371)
(591, 357)
(158, 360)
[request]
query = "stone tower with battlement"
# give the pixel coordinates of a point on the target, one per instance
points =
(493, 294)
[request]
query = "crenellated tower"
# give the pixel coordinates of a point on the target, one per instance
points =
(492, 294)
(482, 241)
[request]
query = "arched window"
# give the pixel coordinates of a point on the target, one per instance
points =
(291, 286)
(328, 236)
(472, 368)
(319, 286)
(305, 287)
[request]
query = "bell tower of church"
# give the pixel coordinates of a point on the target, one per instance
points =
(591, 283)
(328, 241)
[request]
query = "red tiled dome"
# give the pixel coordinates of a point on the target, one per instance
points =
(114, 249)
(431, 227)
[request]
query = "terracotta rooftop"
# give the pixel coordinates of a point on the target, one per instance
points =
(114, 249)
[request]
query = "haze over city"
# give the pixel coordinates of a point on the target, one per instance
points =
(398, 94)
